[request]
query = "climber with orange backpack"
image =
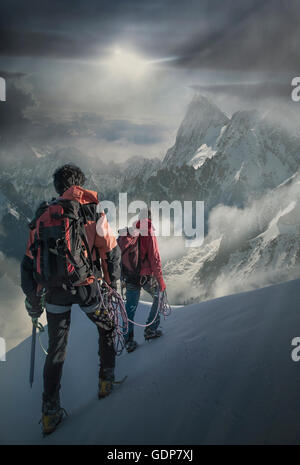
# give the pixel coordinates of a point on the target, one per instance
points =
(141, 269)
(70, 248)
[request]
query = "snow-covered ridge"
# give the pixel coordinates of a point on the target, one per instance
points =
(201, 155)
(230, 360)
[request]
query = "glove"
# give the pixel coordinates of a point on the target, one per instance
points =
(34, 307)
(102, 319)
(161, 283)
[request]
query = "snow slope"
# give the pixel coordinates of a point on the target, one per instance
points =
(221, 374)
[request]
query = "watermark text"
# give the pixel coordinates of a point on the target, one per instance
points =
(296, 89)
(2, 90)
(2, 350)
(174, 218)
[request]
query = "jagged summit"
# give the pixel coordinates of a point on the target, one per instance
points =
(246, 118)
(204, 106)
(200, 127)
(201, 115)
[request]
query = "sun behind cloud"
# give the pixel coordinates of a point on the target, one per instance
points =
(126, 64)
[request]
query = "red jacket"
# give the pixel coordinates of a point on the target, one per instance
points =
(149, 254)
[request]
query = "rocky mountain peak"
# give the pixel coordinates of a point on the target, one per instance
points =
(201, 126)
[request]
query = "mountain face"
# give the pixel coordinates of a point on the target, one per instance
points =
(198, 133)
(232, 160)
(221, 160)
(248, 177)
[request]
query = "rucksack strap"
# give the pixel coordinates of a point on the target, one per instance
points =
(84, 240)
(139, 254)
(83, 234)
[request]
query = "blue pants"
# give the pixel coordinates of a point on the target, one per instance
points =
(132, 299)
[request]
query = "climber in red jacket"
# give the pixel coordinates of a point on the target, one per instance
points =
(149, 278)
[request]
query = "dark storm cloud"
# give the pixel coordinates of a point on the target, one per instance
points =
(54, 28)
(28, 43)
(12, 110)
(11, 75)
(227, 34)
(265, 36)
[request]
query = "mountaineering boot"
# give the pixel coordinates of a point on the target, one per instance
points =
(52, 415)
(131, 345)
(152, 333)
(105, 388)
(106, 382)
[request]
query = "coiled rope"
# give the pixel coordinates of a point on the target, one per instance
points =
(113, 305)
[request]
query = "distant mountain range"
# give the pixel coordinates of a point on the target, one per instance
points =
(245, 169)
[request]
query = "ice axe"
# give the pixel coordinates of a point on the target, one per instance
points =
(35, 325)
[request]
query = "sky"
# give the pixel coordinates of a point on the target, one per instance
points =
(135, 65)
(119, 74)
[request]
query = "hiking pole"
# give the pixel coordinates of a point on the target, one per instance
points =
(32, 358)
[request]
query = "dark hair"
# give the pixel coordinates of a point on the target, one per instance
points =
(67, 176)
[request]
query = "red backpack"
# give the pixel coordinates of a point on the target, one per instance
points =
(130, 255)
(60, 249)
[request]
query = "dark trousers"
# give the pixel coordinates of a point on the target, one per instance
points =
(58, 331)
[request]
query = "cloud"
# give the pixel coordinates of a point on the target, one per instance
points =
(264, 36)
(11, 75)
(248, 35)
(15, 325)
(239, 228)
(118, 138)
(12, 111)
(31, 43)
(50, 28)
(245, 248)
(233, 283)
(113, 130)
(272, 99)
(248, 90)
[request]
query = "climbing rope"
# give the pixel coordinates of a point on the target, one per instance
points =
(112, 308)
(112, 315)
(165, 307)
